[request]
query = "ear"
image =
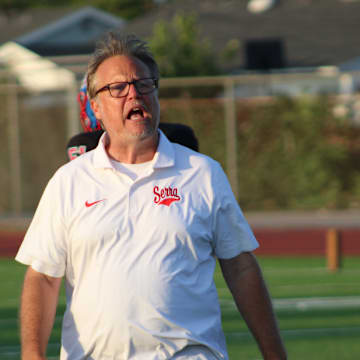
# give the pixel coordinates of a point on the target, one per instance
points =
(95, 108)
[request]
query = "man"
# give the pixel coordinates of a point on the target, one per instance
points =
(135, 228)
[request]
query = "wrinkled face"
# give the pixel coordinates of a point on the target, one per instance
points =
(132, 117)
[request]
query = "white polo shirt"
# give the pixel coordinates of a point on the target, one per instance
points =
(138, 256)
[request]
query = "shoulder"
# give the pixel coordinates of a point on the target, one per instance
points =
(181, 150)
(201, 163)
(79, 165)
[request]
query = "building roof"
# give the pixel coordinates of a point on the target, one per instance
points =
(300, 33)
(57, 31)
(16, 24)
(32, 71)
(290, 34)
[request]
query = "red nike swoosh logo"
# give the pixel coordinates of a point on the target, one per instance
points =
(88, 204)
(167, 201)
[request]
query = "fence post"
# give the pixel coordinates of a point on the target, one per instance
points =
(333, 252)
(14, 149)
(231, 136)
(73, 116)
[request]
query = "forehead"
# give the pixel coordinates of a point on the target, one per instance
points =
(121, 68)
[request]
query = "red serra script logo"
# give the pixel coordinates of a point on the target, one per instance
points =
(165, 196)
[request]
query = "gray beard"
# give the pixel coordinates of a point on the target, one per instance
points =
(148, 131)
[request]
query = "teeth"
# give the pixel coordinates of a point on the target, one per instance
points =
(136, 111)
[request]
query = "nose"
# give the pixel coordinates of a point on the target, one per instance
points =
(133, 93)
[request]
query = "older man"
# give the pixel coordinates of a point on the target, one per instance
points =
(135, 227)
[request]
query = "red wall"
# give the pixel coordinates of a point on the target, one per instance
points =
(272, 242)
(304, 241)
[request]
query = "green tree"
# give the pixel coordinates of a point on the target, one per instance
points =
(178, 49)
(294, 154)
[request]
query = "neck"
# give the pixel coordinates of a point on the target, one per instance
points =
(135, 152)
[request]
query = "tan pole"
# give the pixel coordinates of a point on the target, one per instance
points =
(333, 249)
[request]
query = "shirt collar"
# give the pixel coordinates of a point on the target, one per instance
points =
(101, 159)
(164, 156)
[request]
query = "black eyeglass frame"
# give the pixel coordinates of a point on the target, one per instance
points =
(134, 82)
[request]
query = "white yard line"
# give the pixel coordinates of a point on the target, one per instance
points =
(307, 303)
(303, 332)
(318, 303)
(279, 304)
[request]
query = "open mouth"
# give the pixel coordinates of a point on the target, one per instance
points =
(136, 113)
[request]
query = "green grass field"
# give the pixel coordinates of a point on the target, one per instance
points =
(318, 311)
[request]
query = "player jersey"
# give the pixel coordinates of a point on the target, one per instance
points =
(139, 255)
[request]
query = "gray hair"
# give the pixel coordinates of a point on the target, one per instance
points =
(118, 44)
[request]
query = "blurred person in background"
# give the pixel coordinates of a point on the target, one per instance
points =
(135, 228)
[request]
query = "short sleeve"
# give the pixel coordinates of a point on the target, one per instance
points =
(232, 233)
(44, 244)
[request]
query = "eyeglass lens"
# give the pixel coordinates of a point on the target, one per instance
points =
(143, 86)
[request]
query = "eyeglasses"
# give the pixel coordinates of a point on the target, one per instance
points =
(121, 89)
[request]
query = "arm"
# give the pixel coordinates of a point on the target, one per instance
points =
(37, 313)
(244, 279)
